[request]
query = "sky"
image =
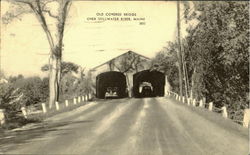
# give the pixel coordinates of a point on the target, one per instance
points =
(88, 43)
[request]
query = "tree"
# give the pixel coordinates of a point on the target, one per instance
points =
(67, 78)
(10, 100)
(217, 52)
(2, 74)
(66, 67)
(76, 86)
(68, 86)
(43, 10)
(166, 61)
(34, 89)
(86, 84)
(13, 79)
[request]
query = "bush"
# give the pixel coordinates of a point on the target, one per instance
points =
(34, 89)
(11, 99)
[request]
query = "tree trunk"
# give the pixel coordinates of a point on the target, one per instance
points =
(184, 76)
(54, 80)
(192, 84)
(55, 43)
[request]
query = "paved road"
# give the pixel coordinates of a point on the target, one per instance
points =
(150, 126)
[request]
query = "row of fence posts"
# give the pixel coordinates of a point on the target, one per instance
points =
(76, 100)
(44, 108)
(201, 103)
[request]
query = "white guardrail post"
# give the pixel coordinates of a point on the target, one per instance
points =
(201, 103)
(224, 112)
(2, 116)
(188, 101)
(79, 99)
(246, 118)
(194, 102)
(66, 103)
(24, 112)
(210, 106)
(183, 99)
(44, 108)
(57, 106)
(83, 98)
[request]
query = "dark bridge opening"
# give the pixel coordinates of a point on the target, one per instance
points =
(148, 84)
(111, 85)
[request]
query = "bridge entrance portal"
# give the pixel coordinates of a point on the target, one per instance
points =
(111, 84)
(148, 84)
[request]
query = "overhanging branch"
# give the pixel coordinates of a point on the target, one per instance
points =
(50, 14)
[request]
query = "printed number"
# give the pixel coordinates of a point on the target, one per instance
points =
(142, 23)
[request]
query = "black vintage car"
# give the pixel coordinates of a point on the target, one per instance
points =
(111, 84)
(111, 92)
(146, 91)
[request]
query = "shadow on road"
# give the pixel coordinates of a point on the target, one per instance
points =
(13, 138)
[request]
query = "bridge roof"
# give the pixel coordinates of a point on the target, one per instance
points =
(120, 56)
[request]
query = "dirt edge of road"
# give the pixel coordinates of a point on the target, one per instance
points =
(216, 118)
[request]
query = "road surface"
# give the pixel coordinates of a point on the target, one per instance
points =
(149, 126)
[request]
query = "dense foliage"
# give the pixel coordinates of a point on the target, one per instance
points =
(19, 91)
(66, 67)
(10, 101)
(216, 53)
(35, 90)
(72, 86)
(166, 62)
(74, 82)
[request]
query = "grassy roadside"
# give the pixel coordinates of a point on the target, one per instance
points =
(215, 117)
(53, 111)
(20, 121)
